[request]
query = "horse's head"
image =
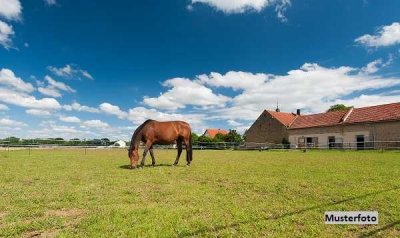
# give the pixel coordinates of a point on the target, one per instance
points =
(133, 155)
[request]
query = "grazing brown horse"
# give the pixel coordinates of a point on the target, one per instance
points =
(162, 133)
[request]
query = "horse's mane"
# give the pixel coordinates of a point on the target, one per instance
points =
(136, 134)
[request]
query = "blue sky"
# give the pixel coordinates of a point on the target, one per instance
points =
(90, 69)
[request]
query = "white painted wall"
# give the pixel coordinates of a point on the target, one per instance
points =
(347, 137)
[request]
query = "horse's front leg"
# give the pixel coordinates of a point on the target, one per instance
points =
(146, 149)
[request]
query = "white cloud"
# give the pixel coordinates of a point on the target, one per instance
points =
(3, 107)
(10, 9)
(70, 119)
(8, 78)
(50, 2)
(312, 87)
(235, 80)
(234, 123)
(52, 92)
(241, 6)
(385, 36)
(28, 101)
(80, 108)
(70, 71)
(59, 85)
(185, 92)
(113, 110)
(95, 124)
(38, 112)
(5, 122)
(53, 88)
(6, 33)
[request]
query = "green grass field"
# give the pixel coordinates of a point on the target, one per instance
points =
(224, 193)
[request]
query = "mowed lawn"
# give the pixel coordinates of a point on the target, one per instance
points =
(224, 193)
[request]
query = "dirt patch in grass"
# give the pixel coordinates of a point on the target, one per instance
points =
(2, 215)
(72, 216)
(74, 212)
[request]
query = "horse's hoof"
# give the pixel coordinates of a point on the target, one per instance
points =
(188, 165)
(133, 167)
(153, 165)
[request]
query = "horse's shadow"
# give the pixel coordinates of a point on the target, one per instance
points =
(125, 166)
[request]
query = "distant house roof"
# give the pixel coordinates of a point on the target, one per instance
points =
(283, 117)
(385, 112)
(213, 132)
(320, 119)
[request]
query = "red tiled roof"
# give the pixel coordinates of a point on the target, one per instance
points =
(386, 112)
(283, 117)
(320, 119)
(213, 132)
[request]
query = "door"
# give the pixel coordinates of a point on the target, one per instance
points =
(360, 142)
(331, 142)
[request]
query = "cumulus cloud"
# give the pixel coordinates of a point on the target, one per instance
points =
(5, 122)
(52, 92)
(70, 119)
(80, 108)
(241, 6)
(184, 92)
(113, 110)
(95, 124)
(3, 107)
(312, 88)
(54, 87)
(376, 65)
(385, 36)
(6, 34)
(70, 71)
(8, 78)
(15, 91)
(38, 112)
(10, 9)
(28, 101)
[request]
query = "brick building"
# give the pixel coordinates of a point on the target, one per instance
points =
(356, 127)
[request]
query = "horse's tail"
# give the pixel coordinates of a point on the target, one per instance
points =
(190, 151)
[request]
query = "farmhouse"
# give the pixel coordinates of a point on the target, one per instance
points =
(211, 133)
(355, 127)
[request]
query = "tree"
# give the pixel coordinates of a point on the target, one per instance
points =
(219, 137)
(233, 136)
(338, 107)
(105, 141)
(205, 139)
(195, 138)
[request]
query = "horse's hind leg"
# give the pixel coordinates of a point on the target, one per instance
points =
(153, 160)
(146, 149)
(179, 146)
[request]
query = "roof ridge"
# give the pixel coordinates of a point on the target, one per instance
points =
(295, 117)
(347, 115)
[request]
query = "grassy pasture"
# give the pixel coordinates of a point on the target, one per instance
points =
(224, 193)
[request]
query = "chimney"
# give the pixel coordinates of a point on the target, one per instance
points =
(298, 112)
